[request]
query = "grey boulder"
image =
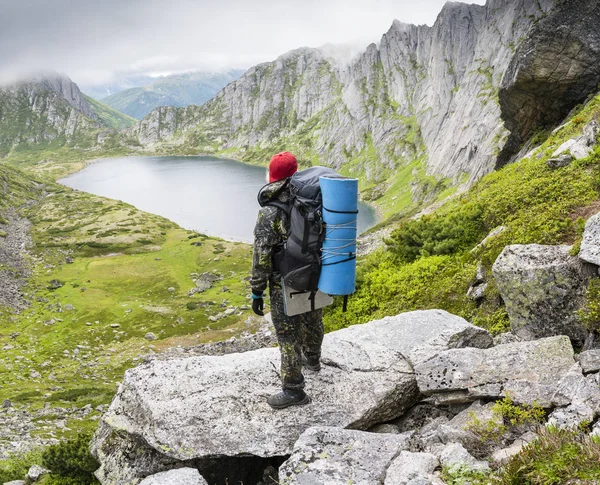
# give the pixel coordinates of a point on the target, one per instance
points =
(542, 288)
(581, 146)
(180, 476)
(561, 161)
(332, 456)
(454, 455)
(35, 473)
(458, 429)
(419, 335)
(590, 360)
(409, 468)
(527, 371)
(590, 245)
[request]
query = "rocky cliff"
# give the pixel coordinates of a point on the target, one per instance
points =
(42, 110)
(555, 68)
(423, 99)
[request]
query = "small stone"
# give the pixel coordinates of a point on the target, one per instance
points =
(115, 325)
(55, 284)
(150, 336)
(170, 289)
(503, 455)
(68, 307)
(590, 361)
(35, 374)
(455, 454)
(385, 429)
(477, 293)
(7, 403)
(560, 161)
(35, 473)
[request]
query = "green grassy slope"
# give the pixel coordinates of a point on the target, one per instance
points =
(118, 274)
(110, 117)
(428, 263)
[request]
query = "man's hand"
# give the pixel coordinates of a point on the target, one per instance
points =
(258, 304)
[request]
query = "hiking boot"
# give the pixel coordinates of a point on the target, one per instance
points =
(313, 365)
(288, 397)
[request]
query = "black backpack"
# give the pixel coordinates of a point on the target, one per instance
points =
(299, 258)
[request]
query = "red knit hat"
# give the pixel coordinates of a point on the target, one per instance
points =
(282, 165)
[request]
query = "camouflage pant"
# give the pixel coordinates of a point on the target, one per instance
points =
(297, 335)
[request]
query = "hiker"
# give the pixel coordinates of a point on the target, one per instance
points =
(300, 336)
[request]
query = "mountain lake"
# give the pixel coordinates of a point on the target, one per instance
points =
(214, 196)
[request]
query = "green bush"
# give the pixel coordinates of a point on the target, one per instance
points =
(437, 235)
(387, 287)
(508, 419)
(17, 466)
(71, 462)
(557, 457)
(589, 315)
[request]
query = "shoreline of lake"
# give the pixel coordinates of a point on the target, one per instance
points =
(208, 194)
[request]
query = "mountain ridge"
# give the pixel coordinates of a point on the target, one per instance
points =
(419, 111)
(175, 90)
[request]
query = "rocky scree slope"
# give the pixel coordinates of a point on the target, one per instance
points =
(17, 190)
(423, 95)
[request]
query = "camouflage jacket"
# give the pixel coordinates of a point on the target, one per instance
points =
(270, 232)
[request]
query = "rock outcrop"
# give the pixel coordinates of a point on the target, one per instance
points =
(590, 245)
(189, 411)
(422, 89)
(529, 372)
(542, 288)
(42, 110)
(368, 422)
(553, 69)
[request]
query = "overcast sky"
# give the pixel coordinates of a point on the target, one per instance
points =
(96, 41)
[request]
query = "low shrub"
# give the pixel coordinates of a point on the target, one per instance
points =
(557, 457)
(437, 235)
(589, 314)
(509, 419)
(17, 466)
(71, 462)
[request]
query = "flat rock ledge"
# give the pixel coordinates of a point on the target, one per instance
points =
(193, 411)
(529, 372)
